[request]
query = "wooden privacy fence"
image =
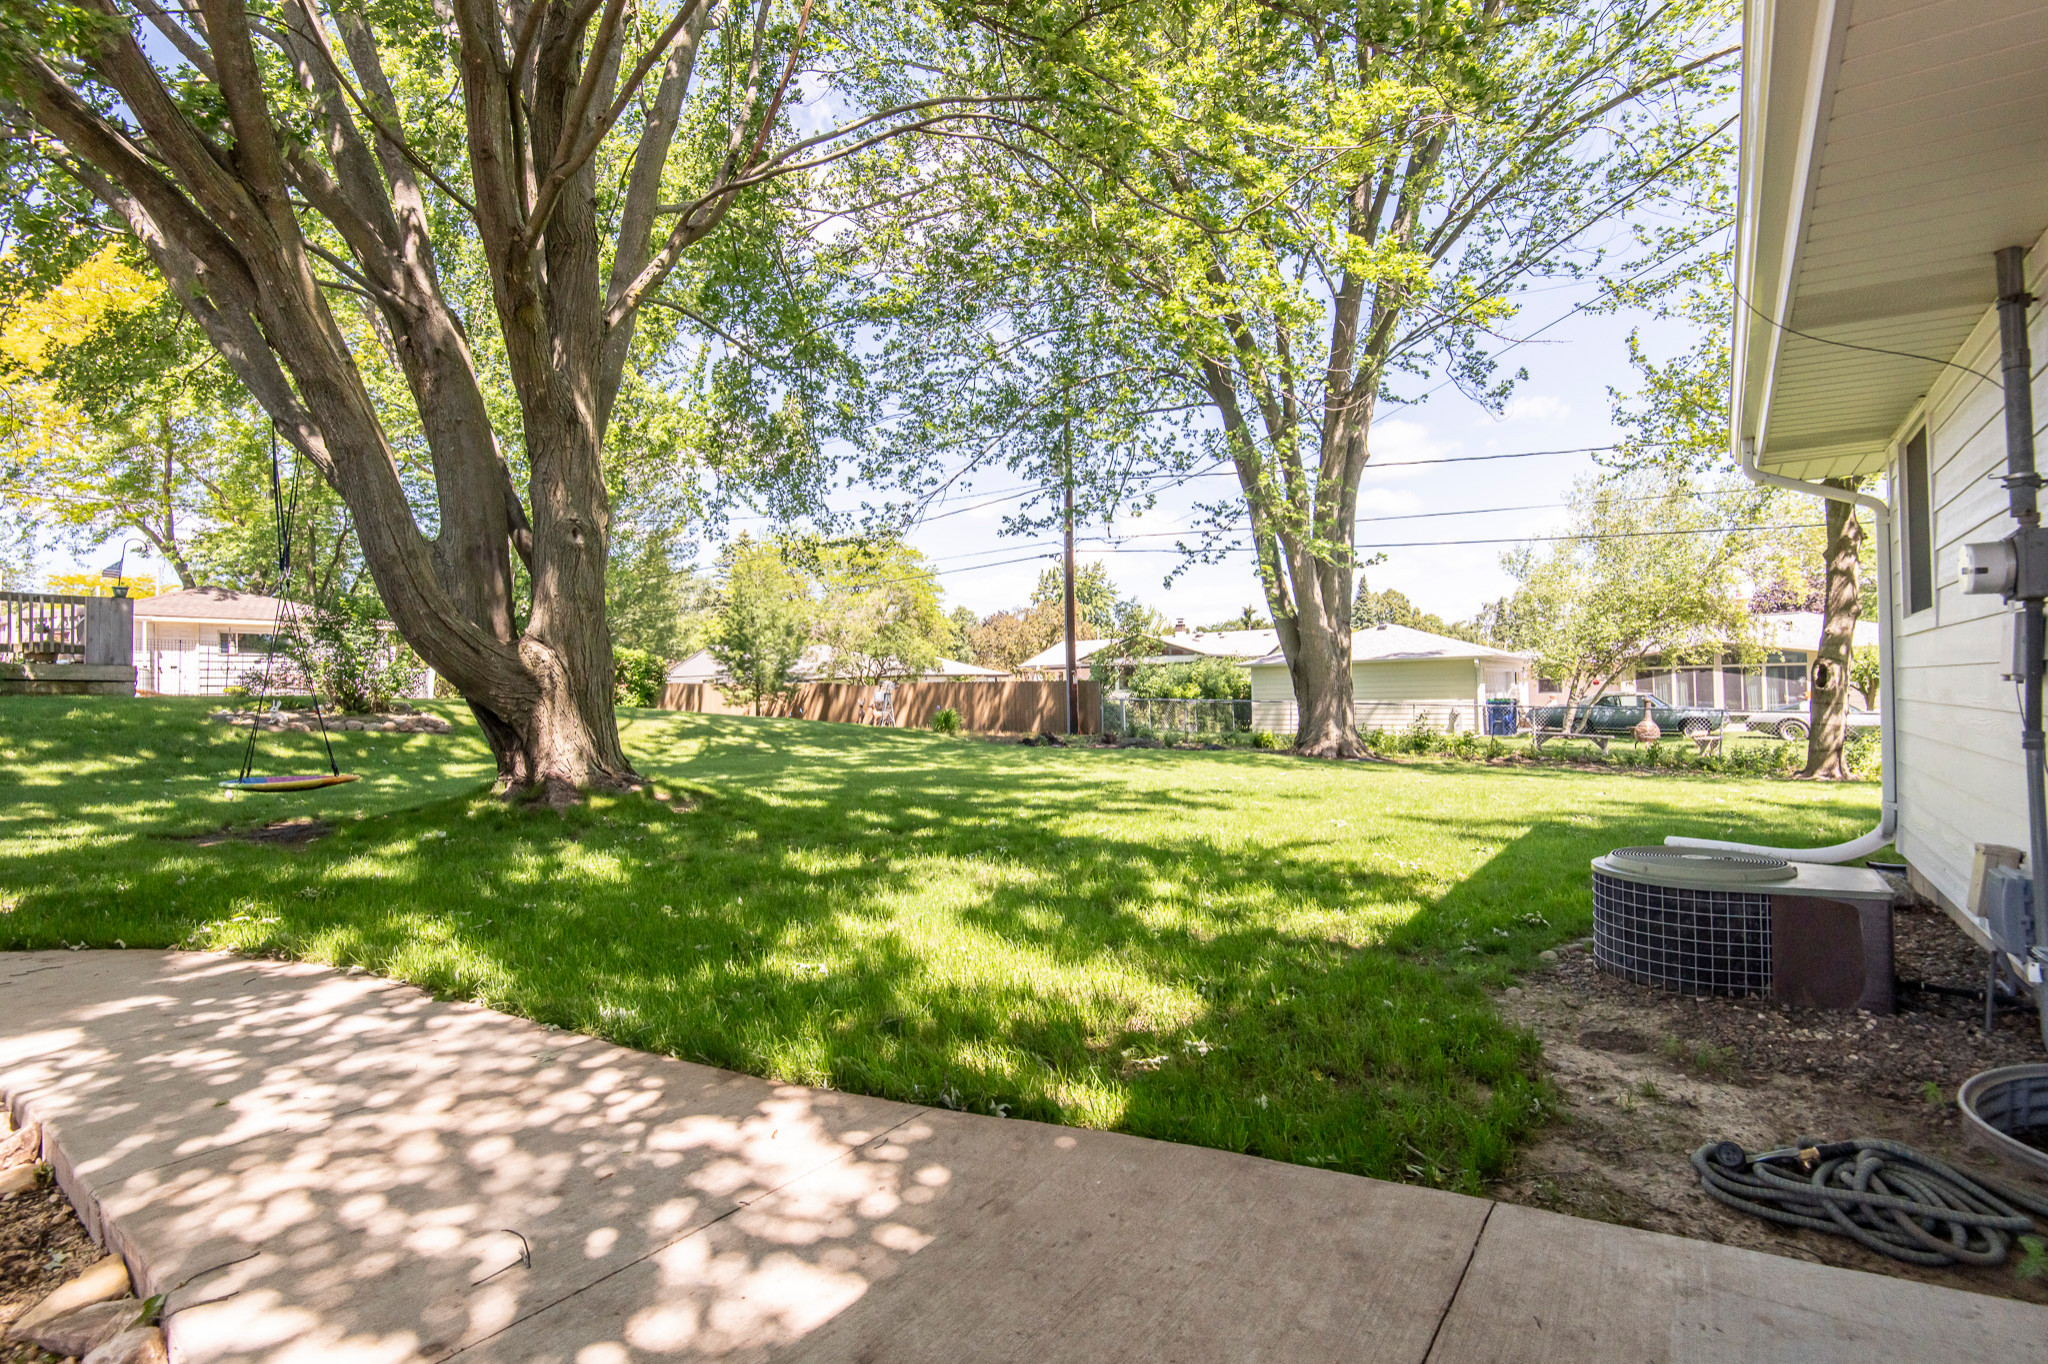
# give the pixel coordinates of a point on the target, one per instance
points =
(986, 707)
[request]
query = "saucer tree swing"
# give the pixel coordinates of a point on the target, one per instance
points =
(284, 508)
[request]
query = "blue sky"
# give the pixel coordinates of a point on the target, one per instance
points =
(1563, 404)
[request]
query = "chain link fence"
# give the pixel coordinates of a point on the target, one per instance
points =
(1173, 719)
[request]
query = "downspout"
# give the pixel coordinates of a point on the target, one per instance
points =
(1888, 819)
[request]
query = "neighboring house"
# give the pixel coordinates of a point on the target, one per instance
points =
(1398, 674)
(814, 666)
(1887, 153)
(202, 640)
(199, 641)
(1179, 645)
(1790, 641)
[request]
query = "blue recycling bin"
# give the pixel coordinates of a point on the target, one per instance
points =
(1500, 716)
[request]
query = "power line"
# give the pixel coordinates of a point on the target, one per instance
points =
(1519, 539)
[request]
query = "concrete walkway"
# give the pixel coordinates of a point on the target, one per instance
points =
(329, 1167)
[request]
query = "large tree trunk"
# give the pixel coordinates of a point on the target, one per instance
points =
(1828, 703)
(1319, 663)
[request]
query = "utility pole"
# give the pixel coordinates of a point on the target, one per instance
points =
(1073, 662)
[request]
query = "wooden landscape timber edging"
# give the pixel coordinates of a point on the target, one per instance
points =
(986, 707)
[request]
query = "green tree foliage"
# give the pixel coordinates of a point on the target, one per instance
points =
(1865, 675)
(1392, 607)
(656, 604)
(1636, 574)
(877, 612)
(513, 280)
(1247, 619)
(1215, 679)
(1278, 216)
(763, 623)
(1096, 598)
(638, 677)
(960, 641)
(1004, 639)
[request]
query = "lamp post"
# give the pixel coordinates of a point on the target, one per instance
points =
(119, 569)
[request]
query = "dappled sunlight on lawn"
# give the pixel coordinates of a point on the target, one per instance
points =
(1237, 949)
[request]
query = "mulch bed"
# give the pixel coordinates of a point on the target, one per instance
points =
(42, 1245)
(1646, 1077)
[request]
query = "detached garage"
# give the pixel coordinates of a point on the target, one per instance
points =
(1398, 674)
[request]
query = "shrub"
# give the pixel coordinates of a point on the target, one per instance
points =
(351, 655)
(1466, 745)
(1495, 748)
(637, 677)
(946, 720)
(1377, 740)
(1421, 736)
(1265, 738)
(1864, 754)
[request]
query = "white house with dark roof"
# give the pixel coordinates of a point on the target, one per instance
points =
(201, 640)
(1176, 646)
(1399, 674)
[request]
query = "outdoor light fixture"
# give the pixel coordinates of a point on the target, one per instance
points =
(119, 568)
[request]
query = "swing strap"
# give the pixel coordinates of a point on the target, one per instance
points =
(285, 510)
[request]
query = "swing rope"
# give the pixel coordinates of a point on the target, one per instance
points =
(285, 510)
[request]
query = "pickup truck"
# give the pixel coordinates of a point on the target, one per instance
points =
(1619, 714)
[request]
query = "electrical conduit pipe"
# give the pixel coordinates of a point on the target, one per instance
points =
(1888, 819)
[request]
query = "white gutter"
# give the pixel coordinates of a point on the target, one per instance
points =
(1887, 689)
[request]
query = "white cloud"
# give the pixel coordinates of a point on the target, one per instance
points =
(1387, 502)
(1396, 441)
(1537, 407)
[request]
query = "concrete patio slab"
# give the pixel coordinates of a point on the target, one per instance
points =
(1545, 1288)
(320, 1165)
(961, 1237)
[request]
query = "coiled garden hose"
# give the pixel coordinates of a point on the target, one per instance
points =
(1883, 1194)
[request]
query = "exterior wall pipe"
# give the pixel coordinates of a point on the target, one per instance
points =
(1887, 729)
(2016, 363)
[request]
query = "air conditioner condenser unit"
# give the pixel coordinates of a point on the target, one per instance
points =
(1803, 934)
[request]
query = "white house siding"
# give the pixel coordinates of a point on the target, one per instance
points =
(1385, 694)
(1961, 781)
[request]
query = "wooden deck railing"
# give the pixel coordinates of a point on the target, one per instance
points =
(43, 627)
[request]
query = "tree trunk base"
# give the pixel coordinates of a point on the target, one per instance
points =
(557, 754)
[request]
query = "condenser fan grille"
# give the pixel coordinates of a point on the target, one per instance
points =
(1682, 937)
(1698, 868)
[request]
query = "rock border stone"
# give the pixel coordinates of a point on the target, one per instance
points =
(304, 722)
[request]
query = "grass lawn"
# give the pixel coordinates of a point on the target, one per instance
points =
(1239, 949)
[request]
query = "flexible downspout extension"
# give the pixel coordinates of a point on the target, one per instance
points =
(1889, 809)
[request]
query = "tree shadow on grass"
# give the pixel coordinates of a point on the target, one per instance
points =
(1049, 934)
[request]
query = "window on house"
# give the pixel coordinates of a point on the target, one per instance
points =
(1784, 684)
(1919, 492)
(1742, 688)
(1655, 682)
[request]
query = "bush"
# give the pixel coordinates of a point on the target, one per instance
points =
(1421, 736)
(1377, 740)
(1495, 748)
(946, 721)
(1466, 745)
(1864, 754)
(637, 677)
(1265, 738)
(352, 656)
